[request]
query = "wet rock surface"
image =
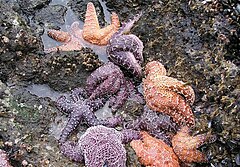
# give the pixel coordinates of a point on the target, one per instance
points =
(197, 41)
(31, 6)
(51, 16)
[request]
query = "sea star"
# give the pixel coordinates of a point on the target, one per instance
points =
(126, 50)
(4, 161)
(72, 40)
(100, 146)
(92, 31)
(81, 109)
(109, 81)
(168, 95)
(154, 152)
(90, 36)
(158, 125)
(185, 146)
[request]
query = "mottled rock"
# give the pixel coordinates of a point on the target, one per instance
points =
(31, 6)
(4, 161)
(52, 15)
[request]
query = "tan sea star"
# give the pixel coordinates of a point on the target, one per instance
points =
(185, 146)
(167, 94)
(89, 36)
(153, 152)
(92, 31)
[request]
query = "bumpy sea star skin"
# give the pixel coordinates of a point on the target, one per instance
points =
(108, 81)
(92, 31)
(81, 109)
(168, 95)
(100, 146)
(158, 125)
(126, 50)
(4, 161)
(91, 36)
(185, 146)
(154, 152)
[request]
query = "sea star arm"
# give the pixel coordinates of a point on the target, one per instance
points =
(91, 23)
(141, 151)
(201, 139)
(170, 103)
(137, 47)
(126, 27)
(177, 86)
(128, 61)
(63, 104)
(99, 75)
(106, 33)
(78, 94)
(74, 120)
(73, 44)
(91, 29)
(119, 99)
(109, 86)
(59, 36)
(129, 135)
(71, 150)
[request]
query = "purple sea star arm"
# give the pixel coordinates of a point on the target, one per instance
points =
(63, 104)
(160, 134)
(126, 43)
(96, 104)
(129, 135)
(153, 120)
(72, 151)
(75, 118)
(99, 75)
(157, 124)
(108, 87)
(128, 61)
(78, 94)
(126, 27)
(119, 99)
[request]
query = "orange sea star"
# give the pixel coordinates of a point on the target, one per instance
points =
(92, 31)
(154, 152)
(185, 146)
(167, 94)
(91, 36)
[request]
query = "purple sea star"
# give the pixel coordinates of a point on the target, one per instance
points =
(100, 146)
(81, 109)
(109, 81)
(158, 125)
(126, 50)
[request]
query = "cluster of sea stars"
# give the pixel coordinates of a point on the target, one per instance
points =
(168, 96)
(102, 145)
